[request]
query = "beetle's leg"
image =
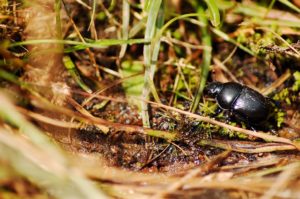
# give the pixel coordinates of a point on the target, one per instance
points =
(273, 102)
(228, 116)
(252, 127)
(217, 112)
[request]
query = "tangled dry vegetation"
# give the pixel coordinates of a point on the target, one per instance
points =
(103, 99)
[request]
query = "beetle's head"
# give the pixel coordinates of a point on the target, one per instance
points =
(213, 89)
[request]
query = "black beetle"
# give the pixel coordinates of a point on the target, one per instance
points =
(243, 102)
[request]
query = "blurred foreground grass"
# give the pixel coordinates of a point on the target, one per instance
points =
(29, 153)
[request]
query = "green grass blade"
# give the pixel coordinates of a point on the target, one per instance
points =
(137, 27)
(153, 7)
(112, 5)
(170, 22)
(125, 25)
(70, 66)
(81, 45)
(255, 10)
(58, 19)
(270, 22)
(290, 5)
(9, 77)
(147, 5)
(227, 38)
(206, 59)
(155, 52)
(214, 12)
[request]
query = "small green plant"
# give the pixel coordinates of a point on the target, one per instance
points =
(283, 96)
(296, 85)
(279, 117)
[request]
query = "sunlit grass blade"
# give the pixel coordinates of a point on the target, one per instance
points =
(255, 10)
(155, 51)
(206, 59)
(147, 4)
(125, 24)
(214, 12)
(290, 5)
(153, 7)
(270, 22)
(137, 27)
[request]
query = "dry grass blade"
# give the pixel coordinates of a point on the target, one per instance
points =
(244, 168)
(97, 93)
(290, 173)
(218, 63)
(92, 27)
(191, 174)
(48, 120)
(254, 186)
(262, 135)
(84, 4)
(268, 90)
(87, 118)
(247, 147)
(164, 134)
(94, 167)
(84, 112)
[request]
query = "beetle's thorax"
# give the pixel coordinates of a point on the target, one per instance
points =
(228, 94)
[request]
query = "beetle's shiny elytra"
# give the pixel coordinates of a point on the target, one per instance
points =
(244, 102)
